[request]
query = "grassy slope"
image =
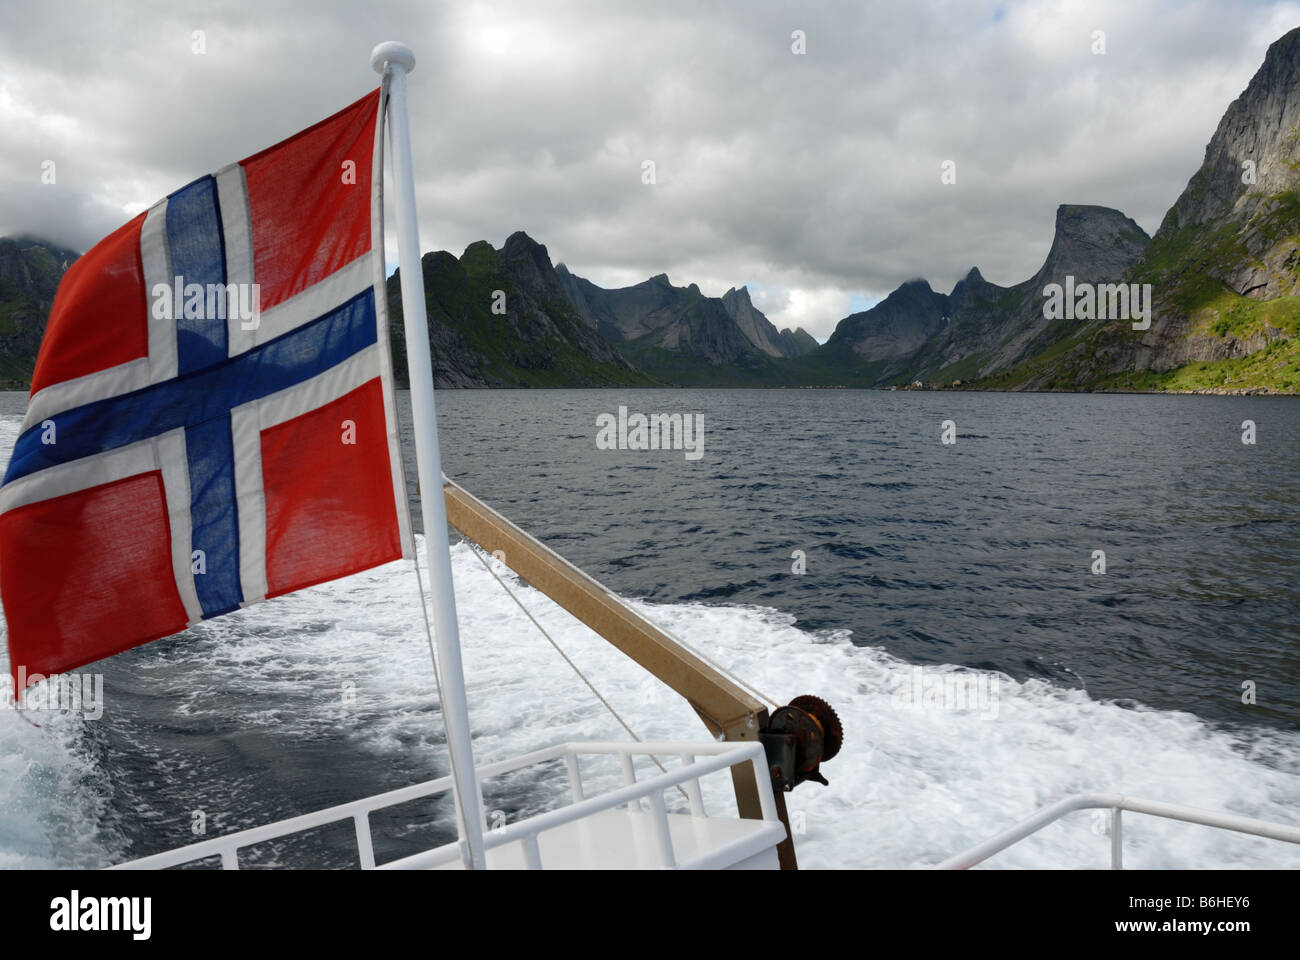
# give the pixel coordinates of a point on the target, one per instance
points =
(23, 312)
(832, 365)
(15, 306)
(459, 295)
(1177, 266)
(680, 370)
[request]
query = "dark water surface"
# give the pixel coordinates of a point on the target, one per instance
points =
(977, 553)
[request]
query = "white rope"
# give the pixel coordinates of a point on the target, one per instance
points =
(747, 687)
(461, 814)
(424, 610)
(581, 676)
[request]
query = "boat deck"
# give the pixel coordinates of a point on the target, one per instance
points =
(625, 827)
(627, 840)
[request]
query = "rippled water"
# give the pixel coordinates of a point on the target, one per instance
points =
(976, 553)
(970, 556)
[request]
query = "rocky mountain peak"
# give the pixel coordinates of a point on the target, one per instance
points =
(973, 281)
(520, 244)
(531, 266)
(757, 328)
(738, 296)
(1249, 180)
(1257, 139)
(1092, 242)
(912, 289)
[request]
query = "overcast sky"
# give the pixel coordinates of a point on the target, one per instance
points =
(814, 178)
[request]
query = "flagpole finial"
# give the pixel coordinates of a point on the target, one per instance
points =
(392, 52)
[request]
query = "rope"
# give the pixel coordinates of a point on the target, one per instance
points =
(461, 813)
(581, 676)
(747, 687)
(424, 610)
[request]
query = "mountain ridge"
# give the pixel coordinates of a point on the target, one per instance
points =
(1224, 266)
(917, 333)
(500, 318)
(1223, 270)
(682, 337)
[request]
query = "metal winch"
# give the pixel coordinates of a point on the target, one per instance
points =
(798, 738)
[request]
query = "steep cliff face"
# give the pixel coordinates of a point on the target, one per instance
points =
(1257, 140)
(889, 333)
(760, 331)
(30, 271)
(1224, 265)
(1228, 247)
(655, 306)
(918, 334)
(500, 318)
(625, 313)
(680, 336)
(701, 328)
(996, 327)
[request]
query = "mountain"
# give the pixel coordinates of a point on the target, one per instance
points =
(994, 327)
(1224, 266)
(761, 332)
(1223, 270)
(680, 336)
(30, 271)
(917, 333)
(880, 341)
(538, 340)
(802, 339)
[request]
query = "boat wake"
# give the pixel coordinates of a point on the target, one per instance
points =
(935, 758)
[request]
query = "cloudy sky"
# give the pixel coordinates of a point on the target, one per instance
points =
(814, 178)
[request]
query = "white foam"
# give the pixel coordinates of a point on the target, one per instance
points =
(50, 790)
(911, 787)
(52, 796)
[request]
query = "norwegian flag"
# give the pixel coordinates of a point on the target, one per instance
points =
(182, 458)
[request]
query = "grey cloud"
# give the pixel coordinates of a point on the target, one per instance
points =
(815, 176)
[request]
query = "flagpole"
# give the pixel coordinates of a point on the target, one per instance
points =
(397, 60)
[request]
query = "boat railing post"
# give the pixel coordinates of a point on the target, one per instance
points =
(629, 776)
(662, 832)
(365, 845)
(575, 775)
(1116, 838)
(693, 793)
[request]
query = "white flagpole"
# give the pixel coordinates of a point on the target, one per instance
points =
(397, 60)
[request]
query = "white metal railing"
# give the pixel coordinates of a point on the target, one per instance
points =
(718, 756)
(1117, 803)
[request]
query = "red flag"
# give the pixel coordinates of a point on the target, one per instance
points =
(212, 418)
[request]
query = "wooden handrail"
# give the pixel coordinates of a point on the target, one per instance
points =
(726, 709)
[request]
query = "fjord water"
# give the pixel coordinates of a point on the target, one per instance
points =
(971, 561)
